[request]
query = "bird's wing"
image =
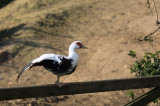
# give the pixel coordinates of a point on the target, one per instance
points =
(47, 57)
(36, 62)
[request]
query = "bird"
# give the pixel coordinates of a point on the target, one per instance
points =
(57, 64)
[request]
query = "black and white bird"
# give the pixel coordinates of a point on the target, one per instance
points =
(58, 64)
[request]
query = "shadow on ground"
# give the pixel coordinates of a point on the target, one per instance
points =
(10, 33)
(7, 38)
(4, 3)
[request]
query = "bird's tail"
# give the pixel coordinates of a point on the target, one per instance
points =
(28, 66)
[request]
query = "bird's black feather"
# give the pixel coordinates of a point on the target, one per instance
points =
(57, 68)
(71, 71)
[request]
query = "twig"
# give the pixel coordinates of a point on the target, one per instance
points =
(149, 6)
(149, 35)
(157, 21)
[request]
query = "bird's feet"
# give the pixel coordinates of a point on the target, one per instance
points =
(59, 84)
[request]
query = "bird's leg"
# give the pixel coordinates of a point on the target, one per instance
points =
(59, 84)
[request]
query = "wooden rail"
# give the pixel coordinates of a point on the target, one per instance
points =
(79, 88)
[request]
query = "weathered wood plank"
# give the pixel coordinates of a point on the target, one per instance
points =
(79, 88)
(145, 98)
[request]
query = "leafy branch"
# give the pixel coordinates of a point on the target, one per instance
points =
(146, 66)
(149, 64)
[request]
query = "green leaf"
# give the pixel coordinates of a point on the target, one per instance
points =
(132, 53)
(149, 55)
(156, 100)
(130, 95)
(157, 53)
(149, 39)
(142, 61)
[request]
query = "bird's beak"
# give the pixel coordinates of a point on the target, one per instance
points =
(83, 47)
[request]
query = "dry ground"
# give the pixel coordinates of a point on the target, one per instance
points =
(109, 28)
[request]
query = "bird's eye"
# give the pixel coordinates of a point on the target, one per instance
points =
(79, 44)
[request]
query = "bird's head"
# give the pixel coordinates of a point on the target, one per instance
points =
(78, 45)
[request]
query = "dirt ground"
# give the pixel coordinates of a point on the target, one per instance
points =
(109, 28)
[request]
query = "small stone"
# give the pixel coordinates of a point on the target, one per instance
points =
(125, 66)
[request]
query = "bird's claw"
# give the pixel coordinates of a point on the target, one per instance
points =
(59, 84)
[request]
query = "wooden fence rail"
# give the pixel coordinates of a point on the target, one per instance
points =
(79, 88)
